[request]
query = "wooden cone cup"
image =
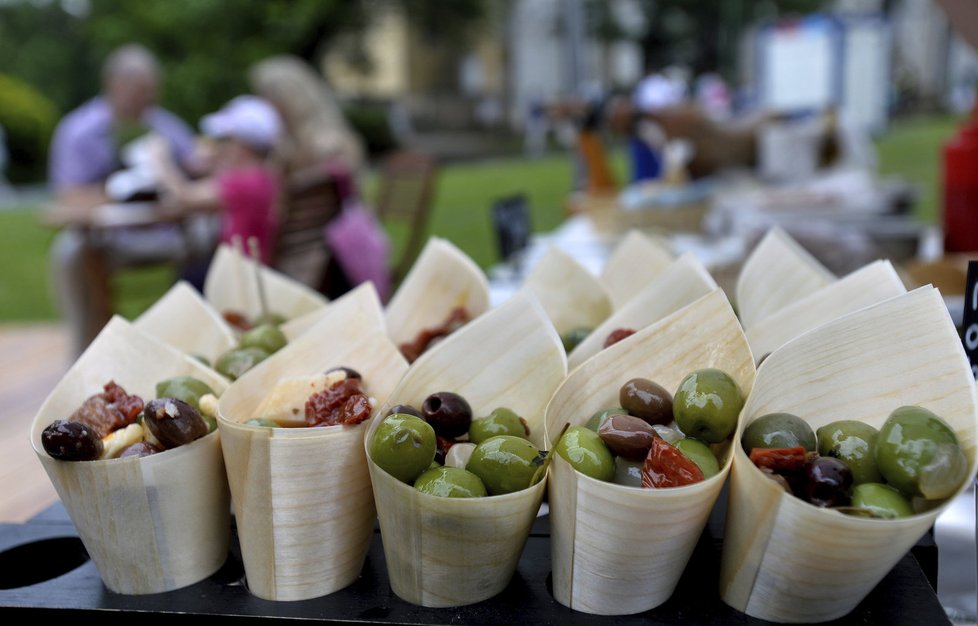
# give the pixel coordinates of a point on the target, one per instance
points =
(635, 262)
(785, 560)
(302, 496)
(230, 286)
(777, 273)
(151, 524)
(682, 282)
(570, 295)
(365, 297)
(456, 551)
(182, 319)
(441, 279)
(865, 287)
(619, 550)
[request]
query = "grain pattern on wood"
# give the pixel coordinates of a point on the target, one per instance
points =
(637, 566)
(441, 279)
(366, 298)
(785, 560)
(151, 524)
(182, 319)
(634, 263)
(457, 551)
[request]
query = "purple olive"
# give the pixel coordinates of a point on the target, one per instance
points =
(173, 422)
(139, 449)
(71, 441)
(350, 372)
(646, 400)
(827, 482)
(448, 413)
(404, 409)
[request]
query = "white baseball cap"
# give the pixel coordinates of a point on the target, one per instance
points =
(247, 118)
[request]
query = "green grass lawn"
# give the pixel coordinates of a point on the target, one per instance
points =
(461, 214)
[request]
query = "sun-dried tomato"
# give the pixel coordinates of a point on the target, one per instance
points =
(429, 336)
(108, 411)
(442, 446)
(666, 466)
(617, 335)
(780, 460)
(342, 403)
(236, 319)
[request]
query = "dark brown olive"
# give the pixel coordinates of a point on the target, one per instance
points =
(442, 446)
(71, 441)
(828, 482)
(142, 448)
(350, 373)
(174, 422)
(404, 409)
(627, 436)
(448, 413)
(647, 400)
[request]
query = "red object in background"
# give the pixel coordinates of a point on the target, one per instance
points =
(961, 188)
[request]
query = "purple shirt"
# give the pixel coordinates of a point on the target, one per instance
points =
(83, 151)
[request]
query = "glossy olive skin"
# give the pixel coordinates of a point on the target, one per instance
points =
(628, 473)
(505, 463)
(585, 451)
(627, 436)
(173, 422)
(883, 501)
(348, 371)
(706, 405)
(919, 454)
(263, 422)
(778, 430)
(186, 388)
(234, 363)
(71, 441)
(266, 337)
(448, 413)
(404, 409)
(854, 443)
(403, 446)
(700, 454)
(646, 400)
(501, 421)
(594, 423)
(827, 482)
(140, 449)
(573, 337)
(450, 482)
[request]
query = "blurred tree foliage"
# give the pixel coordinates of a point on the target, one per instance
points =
(205, 46)
(28, 119)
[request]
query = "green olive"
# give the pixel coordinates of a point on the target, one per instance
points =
(450, 482)
(234, 363)
(262, 421)
(186, 388)
(271, 319)
(707, 404)
(505, 463)
(854, 443)
(700, 454)
(882, 501)
(501, 421)
(267, 337)
(403, 446)
(598, 418)
(919, 454)
(778, 430)
(201, 358)
(573, 337)
(585, 451)
(628, 473)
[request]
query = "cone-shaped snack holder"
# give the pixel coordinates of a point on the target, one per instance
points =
(151, 524)
(182, 319)
(680, 283)
(302, 496)
(571, 296)
(366, 299)
(785, 560)
(442, 279)
(616, 549)
(777, 273)
(865, 287)
(634, 263)
(230, 286)
(456, 551)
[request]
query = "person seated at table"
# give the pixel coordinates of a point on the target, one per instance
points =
(244, 186)
(85, 150)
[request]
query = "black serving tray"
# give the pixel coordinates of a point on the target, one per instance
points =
(37, 552)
